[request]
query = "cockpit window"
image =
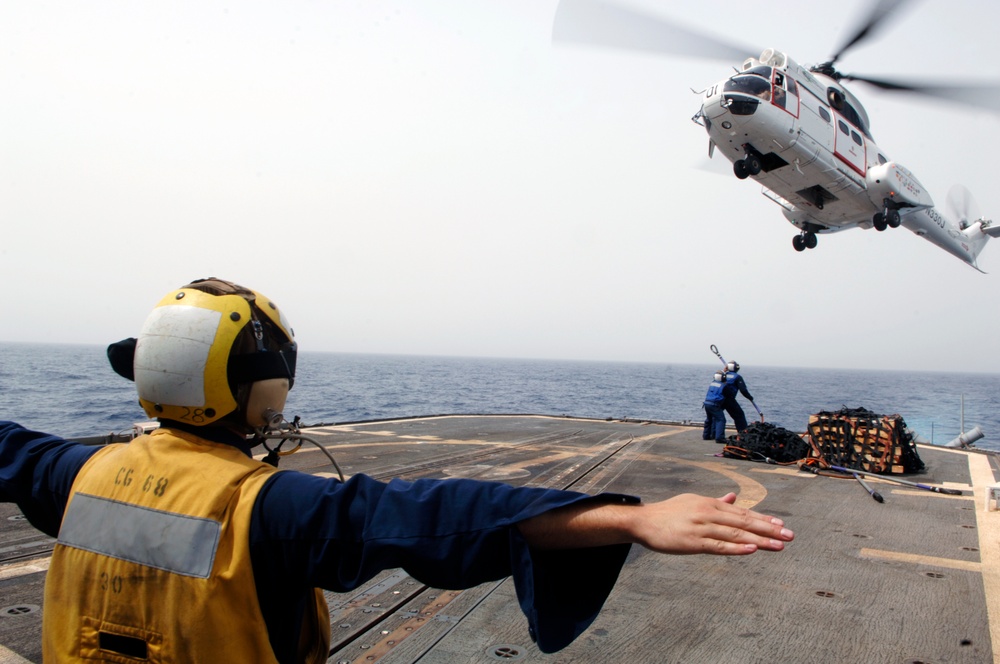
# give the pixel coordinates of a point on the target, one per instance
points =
(750, 85)
(759, 70)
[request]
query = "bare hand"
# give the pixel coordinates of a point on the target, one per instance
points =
(684, 524)
(689, 523)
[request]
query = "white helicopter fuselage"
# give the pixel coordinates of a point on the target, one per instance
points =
(805, 139)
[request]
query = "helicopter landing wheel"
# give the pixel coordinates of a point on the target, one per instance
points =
(892, 218)
(753, 164)
(740, 169)
(810, 240)
(879, 222)
(799, 243)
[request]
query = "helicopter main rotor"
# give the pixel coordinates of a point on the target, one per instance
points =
(604, 23)
(882, 10)
(597, 23)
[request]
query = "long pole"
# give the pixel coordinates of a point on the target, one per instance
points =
(718, 354)
(927, 487)
(875, 494)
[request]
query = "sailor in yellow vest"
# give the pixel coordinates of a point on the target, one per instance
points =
(180, 547)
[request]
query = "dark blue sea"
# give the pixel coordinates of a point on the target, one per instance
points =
(71, 391)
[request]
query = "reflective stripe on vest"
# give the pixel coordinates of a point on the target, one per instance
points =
(153, 560)
(164, 540)
(715, 394)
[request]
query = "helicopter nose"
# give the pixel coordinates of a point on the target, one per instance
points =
(714, 108)
(729, 110)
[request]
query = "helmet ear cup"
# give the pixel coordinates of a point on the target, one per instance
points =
(121, 355)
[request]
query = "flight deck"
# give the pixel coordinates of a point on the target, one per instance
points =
(913, 579)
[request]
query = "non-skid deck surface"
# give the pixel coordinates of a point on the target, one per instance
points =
(913, 579)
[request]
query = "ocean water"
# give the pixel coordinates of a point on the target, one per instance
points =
(71, 390)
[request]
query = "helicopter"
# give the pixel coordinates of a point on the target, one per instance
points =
(799, 132)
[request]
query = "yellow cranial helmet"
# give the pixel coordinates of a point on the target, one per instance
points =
(203, 348)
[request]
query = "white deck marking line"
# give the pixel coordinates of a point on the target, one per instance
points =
(11, 657)
(28, 567)
(916, 559)
(988, 525)
(924, 492)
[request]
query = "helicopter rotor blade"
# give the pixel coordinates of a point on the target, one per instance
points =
(984, 95)
(596, 23)
(882, 10)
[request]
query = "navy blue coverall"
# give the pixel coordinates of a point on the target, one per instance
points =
(315, 532)
(730, 404)
(715, 422)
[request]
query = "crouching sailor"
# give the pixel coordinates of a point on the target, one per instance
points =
(715, 415)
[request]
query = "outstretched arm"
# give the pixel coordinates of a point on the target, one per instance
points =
(37, 471)
(683, 524)
(742, 385)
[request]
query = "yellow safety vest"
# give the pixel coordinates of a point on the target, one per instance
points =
(153, 563)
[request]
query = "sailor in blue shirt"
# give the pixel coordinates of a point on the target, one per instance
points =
(309, 532)
(715, 416)
(736, 384)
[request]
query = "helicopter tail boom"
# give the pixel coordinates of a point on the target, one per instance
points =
(956, 233)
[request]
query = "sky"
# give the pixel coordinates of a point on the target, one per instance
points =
(436, 177)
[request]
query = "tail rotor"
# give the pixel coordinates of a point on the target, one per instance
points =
(962, 207)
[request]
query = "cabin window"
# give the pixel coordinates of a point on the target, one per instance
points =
(825, 114)
(852, 116)
(882, 159)
(839, 102)
(843, 127)
(783, 92)
(780, 98)
(857, 138)
(793, 87)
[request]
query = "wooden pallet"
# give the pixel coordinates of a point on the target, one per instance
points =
(876, 443)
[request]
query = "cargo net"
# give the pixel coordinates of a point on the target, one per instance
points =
(762, 441)
(859, 439)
